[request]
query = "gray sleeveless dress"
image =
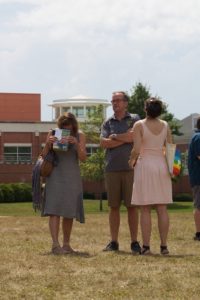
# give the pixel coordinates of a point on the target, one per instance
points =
(63, 188)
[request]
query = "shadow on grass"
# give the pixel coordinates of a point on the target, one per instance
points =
(76, 253)
(152, 255)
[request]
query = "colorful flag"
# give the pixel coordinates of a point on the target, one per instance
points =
(177, 163)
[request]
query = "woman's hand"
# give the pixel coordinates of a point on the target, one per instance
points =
(133, 158)
(51, 139)
(70, 139)
(132, 163)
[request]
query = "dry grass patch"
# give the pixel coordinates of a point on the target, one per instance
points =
(29, 271)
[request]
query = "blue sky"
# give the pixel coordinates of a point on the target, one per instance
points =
(64, 48)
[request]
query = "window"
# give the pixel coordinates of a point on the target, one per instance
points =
(90, 110)
(65, 109)
(57, 112)
(78, 111)
(194, 121)
(91, 149)
(17, 154)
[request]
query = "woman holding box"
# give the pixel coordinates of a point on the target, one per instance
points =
(63, 189)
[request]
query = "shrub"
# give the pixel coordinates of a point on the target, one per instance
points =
(182, 197)
(1, 196)
(8, 193)
(27, 192)
(15, 192)
(87, 195)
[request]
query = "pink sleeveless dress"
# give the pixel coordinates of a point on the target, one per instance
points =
(152, 182)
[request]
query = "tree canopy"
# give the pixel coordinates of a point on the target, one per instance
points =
(93, 168)
(138, 94)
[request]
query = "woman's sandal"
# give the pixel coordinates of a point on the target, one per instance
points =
(164, 250)
(57, 250)
(145, 250)
(67, 249)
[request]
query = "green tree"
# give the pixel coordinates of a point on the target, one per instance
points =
(139, 93)
(93, 168)
(92, 126)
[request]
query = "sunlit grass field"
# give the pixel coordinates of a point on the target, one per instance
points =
(29, 271)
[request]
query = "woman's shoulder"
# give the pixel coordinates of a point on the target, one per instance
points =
(164, 123)
(81, 136)
(139, 123)
(138, 126)
(81, 133)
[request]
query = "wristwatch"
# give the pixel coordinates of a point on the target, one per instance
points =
(114, 136)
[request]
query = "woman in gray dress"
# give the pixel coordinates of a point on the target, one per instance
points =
(63, 189)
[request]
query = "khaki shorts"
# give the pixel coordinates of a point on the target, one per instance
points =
(196, 196)
(119, 187)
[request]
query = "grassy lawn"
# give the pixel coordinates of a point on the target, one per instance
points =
(29, 271)
(91, 206)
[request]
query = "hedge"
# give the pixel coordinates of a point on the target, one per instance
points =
(182, 197)
(15, 192)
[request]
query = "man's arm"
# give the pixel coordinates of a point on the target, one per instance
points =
(109, 143)
(126, 137)
(105, 141)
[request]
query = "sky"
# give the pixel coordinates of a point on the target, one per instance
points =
(65, 48)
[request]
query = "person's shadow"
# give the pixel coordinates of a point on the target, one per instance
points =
(75, 253)
(156, 255)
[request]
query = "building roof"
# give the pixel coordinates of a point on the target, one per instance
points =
(80, 100)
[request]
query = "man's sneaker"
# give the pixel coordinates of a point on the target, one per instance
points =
(112, 246)
(197, 237)
(135, 248)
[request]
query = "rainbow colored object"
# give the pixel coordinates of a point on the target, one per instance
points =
(177, 163)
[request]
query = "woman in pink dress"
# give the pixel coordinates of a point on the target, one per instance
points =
(152, 182)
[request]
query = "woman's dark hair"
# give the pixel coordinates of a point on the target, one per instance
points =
(153, 107)
(68, 119)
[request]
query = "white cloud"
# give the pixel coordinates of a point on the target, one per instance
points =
(63, 48)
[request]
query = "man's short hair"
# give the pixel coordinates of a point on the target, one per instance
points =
(126, 97)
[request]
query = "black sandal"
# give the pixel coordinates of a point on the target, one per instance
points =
(164, 250)
(145, 250)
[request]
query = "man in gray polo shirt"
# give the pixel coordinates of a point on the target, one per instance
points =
(117, 139)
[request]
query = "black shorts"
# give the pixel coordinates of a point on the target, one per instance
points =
(196, 196)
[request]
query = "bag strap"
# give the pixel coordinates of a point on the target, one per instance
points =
(48, 147)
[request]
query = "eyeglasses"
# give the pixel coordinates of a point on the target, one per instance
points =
(117, 100)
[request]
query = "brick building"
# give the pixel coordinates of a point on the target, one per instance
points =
(23, 134)
(20, 107)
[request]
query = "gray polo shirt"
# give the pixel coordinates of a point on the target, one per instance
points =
(117, 158)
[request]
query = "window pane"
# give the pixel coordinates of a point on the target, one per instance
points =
(24, 158)
(17, 154)
(90, 110)
(10, 157)
(57, 113)
(65, 109)
(10, 149)
(78, 111)
(91, 150)
(24, 149)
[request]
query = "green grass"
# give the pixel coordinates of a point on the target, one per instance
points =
(29, 271)
(91, 206)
